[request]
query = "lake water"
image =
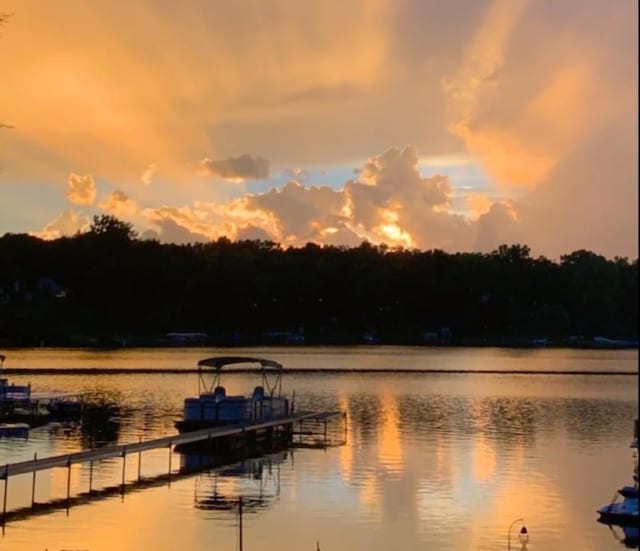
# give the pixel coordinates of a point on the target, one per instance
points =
(435, 458)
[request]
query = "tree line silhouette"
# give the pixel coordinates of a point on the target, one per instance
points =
(108, 283)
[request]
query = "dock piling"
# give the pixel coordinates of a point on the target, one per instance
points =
(68, 483)
(124, 466)
(33, 484)
(4, 501)
(139, 458)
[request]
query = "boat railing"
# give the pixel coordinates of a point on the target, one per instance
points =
(15, 392)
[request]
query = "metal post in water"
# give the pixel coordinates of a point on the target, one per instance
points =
(90, 476)
(325, 432)
(33, 484)
(68, 483)
(4, 503)
(124, 466)
(170, 454)
(139, 458)
(240, 523)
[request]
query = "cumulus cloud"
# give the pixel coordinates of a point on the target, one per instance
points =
(82, 189)
(170, 231)
(210, 221)
(527, 89)
(392, 202)
(67, 224)
(245, 167)
(497, 226)
(298, 209)
(119, 204)
(478, 203)
(149, 172)
(253, 233)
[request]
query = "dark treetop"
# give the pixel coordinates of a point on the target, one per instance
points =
(107, 283)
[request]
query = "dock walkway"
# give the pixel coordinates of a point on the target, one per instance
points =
(123, 450)
(120, 450)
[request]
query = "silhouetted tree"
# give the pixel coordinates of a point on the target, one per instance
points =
(109, 283)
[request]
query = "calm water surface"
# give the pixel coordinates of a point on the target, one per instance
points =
(432, 461)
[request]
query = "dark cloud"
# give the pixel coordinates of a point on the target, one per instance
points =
(245, 167)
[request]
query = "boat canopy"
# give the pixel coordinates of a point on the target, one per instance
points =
(222, 361)
(271, 372)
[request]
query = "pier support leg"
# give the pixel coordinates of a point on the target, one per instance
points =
(68, 484)
(33, 485)
(240, 528)
(325, 432)
(139, 459)
(90, 477)
(124, 469)
(4, 501)
(170, 456)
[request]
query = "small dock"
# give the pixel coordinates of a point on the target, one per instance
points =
(302, 424)
(20, 402)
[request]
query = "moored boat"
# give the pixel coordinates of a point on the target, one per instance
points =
(623, 509)
(214, 407)
(14, 430)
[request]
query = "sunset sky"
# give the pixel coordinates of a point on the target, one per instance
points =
(455, 125)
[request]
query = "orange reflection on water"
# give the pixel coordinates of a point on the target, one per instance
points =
(389, 443)
(484, 459)
(346, 451)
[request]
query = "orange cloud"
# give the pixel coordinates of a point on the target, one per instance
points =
(82, 189)
(478, 203)
(120, 205)
(67, 224)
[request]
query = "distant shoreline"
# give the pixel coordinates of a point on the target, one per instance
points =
(142, 343)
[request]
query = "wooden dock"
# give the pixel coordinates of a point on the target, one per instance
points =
(123, 450)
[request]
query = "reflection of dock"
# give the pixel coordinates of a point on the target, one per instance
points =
(256, 480)
(243, 434)
(320, 430)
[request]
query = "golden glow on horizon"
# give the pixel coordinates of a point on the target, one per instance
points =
(390, 230)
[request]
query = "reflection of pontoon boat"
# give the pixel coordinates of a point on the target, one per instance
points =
(626, 535)
(213, 407)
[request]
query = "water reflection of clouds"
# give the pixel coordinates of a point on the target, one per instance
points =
(436, 458)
